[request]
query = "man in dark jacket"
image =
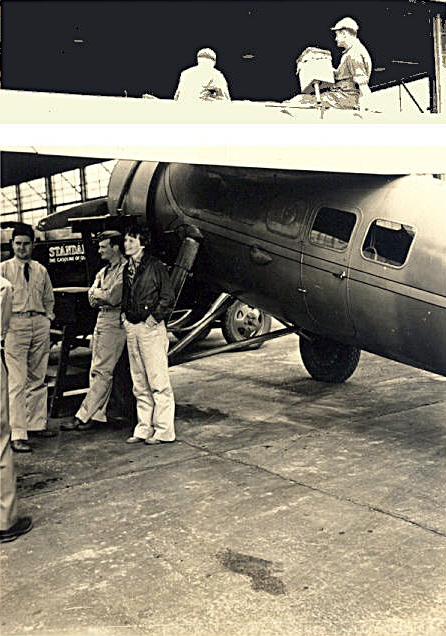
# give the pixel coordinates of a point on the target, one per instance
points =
(147, 300)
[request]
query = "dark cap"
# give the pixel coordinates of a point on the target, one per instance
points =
(108, 234)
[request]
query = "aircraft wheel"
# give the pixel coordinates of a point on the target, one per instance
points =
(327, 360)
(242, 322)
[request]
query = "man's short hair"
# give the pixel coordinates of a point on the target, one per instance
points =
(113, 236)
(143, 234)
(23, 229)
(207, 53)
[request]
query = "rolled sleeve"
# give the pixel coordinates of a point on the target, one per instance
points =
(359, 65)
(111, 292)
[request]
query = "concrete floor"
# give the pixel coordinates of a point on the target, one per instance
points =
(287, 507)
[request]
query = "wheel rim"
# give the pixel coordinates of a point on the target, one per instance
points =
(248, 321)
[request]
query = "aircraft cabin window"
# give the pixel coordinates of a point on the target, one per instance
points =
(388, 242)
(332, 228)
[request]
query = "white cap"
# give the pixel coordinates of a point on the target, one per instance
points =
(209, 53)
(346, 23)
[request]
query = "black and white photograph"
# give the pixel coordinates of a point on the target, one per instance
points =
(223, 318)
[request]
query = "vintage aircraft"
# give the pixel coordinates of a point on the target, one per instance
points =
(348, 261)
(353, 261)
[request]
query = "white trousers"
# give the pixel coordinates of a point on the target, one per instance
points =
(8, 499)
(27, 348)
(106, 347)
(155, 403)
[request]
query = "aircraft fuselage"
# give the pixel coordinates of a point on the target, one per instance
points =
(358, 259)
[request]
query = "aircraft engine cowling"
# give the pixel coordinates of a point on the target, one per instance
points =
(133, 189)
(129, 187)
(142, 189)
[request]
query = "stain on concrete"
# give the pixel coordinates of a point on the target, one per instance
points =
(258, 570)
(191, 412)
(35, 481)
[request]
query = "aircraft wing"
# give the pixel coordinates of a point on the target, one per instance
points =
(279, 156)
(18, 107)
(242, 134)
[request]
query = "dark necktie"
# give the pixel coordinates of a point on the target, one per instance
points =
(131, 271)
(26, 272)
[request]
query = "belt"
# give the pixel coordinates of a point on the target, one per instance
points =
(116, 309)
(28, 314)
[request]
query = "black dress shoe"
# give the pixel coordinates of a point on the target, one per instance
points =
(45, 432)
(20, 446)
(21, 526)
(71, 426)
(86, 426)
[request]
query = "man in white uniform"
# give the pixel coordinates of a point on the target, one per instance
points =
(27, 344)
(202, 82)
(11, 526)
(109, 335)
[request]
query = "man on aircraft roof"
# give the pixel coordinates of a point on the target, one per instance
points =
(202, 82)
(351, 89)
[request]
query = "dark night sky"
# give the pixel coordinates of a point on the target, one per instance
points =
(141, 46)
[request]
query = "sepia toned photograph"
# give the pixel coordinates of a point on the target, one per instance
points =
(223, 317)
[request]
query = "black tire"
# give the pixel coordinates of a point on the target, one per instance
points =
(327, 360)
(242, 322)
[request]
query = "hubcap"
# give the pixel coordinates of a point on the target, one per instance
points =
(248, 321)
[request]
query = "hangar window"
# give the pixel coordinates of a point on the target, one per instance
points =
(33, 197)
(9, 202)
(332, 228)
(388, 242)
(66, 188)
(97, 177)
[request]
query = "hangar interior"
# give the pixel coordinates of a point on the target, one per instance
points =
(53, 184)
(136, 47)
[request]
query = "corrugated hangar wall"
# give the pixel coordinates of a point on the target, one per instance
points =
(135, 47)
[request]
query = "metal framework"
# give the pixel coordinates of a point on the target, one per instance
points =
(439, 83)
(49, 196)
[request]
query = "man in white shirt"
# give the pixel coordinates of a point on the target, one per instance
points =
(11, 526)
(351, 89)
(352, 76)
(109, 334)
(27, 344)
(202, 82)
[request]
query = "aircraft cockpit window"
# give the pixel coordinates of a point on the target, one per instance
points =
(388, 242)
(332, 228)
